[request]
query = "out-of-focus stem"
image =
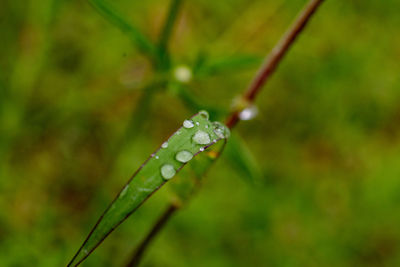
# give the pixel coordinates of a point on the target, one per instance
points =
(166, 33)
(274, 57)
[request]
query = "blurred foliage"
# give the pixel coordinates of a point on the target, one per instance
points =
(81, 108)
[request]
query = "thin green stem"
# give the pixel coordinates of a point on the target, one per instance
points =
(111, 15)
(166, 32)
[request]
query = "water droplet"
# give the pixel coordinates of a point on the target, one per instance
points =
(178, 132)
(197, 123)
(142, 189)
(188, 124)
(157, 157)
(201, 138)
(183, 74)
(183, 156)
(85, 251)
(248, 113)
(112, 207)
(201, 149)
(214, 141)
(221, 130)
(204, 114)
(164, 145)
(123, 192)
(167, 171)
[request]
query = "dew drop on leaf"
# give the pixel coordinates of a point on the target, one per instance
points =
(184, 156)
(204, 114)
(164, 145)
(188, 124)
(221, 130)
(167, 171)
(201, 138)
(123, 192)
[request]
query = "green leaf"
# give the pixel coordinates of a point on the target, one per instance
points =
(113, 16)
(240, 157)
(195, 136)
(184, 188)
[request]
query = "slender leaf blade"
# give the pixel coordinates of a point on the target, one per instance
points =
(148, 178)
(242, 160)
(113, 16)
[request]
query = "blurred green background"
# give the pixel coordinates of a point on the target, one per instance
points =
(313, 180)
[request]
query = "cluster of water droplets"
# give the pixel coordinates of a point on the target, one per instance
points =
(200, 137)
(221, 130)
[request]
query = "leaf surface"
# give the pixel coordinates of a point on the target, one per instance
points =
(151, 176)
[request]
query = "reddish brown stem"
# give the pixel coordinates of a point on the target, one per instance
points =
(274, 57)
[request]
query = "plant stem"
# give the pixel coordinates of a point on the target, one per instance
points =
(112, 16)
(137, 256)
(166, 33)
(169, 23)
(275, 56)
(267, 68)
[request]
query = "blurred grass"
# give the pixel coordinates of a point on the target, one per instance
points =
(327, 138)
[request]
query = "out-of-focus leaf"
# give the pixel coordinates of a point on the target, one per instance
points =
(113, 16)
(240, 157)
(196, 135)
